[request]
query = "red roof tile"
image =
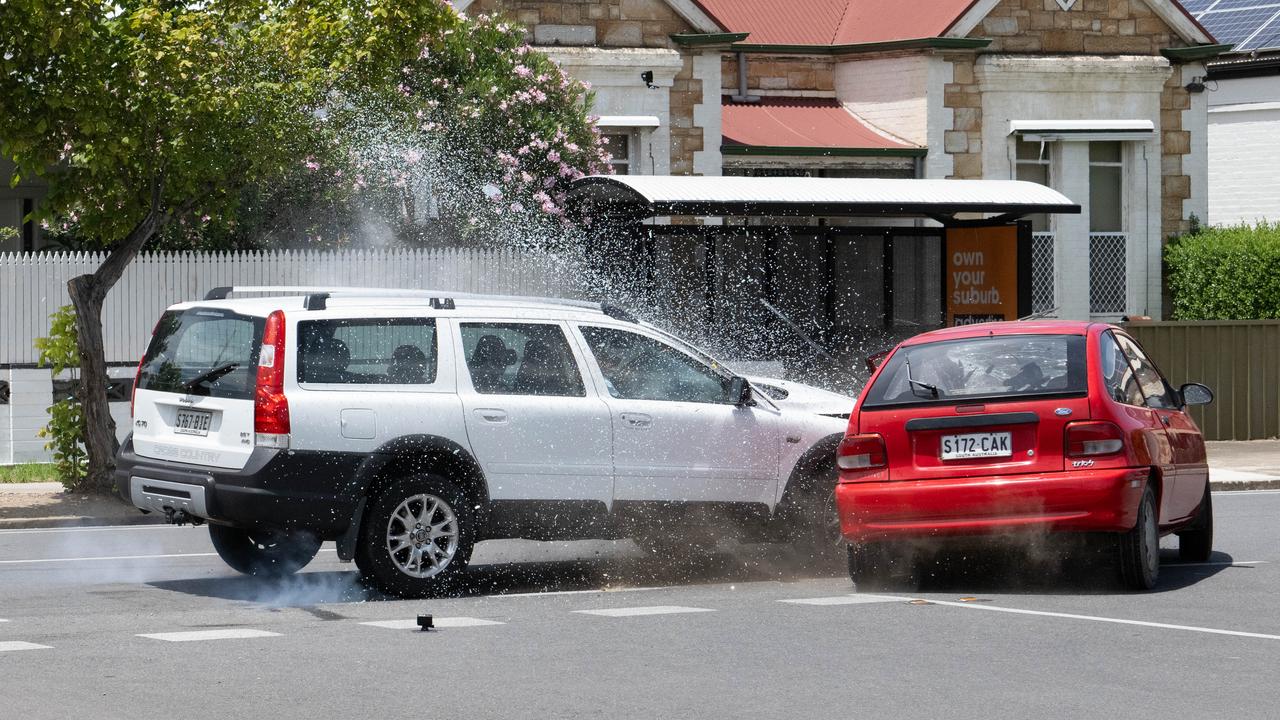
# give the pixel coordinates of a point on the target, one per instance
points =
(797, 123)
(835, 22)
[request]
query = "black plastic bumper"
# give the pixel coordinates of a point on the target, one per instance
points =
(286, 489)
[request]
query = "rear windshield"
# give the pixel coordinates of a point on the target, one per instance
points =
(203, 351)
(997, 367)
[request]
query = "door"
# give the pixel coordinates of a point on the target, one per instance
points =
(1189, 467)
(677, 436)
(537, 430)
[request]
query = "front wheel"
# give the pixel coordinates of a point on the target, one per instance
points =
(264, 553)
(1196, 543)
(1140, 547)
(416, 537)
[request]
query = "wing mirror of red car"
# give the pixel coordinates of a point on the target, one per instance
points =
(1195, 394)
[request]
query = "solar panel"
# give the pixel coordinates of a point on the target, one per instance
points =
(1268, 37)
(1242, 23)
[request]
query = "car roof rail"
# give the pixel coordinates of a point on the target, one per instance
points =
(317, 298)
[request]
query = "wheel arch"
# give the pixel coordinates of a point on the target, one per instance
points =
(820, 457)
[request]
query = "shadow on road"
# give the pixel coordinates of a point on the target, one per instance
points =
(1020, 572)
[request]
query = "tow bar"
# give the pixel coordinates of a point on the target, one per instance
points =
(181, 517)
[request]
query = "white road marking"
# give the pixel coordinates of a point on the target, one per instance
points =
(650, 610)
(445, 622)
(9, 645)
(845, 600)
(581, 592)
(120, 557)
(1118, 621)
(1237, 563)
(227, 634)
(1216, 493)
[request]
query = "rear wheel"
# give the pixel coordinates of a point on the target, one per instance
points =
(1140, 547)
(416, 537)
(264, 553)
(1195, 544)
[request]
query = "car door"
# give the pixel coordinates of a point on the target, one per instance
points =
(677, 437)
(1190, 467)
(538, 431)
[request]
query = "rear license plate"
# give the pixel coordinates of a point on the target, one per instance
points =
(193, 422)
(976, 445)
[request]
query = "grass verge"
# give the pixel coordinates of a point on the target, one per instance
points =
(28, 473)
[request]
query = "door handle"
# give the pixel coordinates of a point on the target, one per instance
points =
(493, 415)
(637, 419)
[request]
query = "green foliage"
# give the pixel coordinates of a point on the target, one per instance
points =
(27, 473)
(1225, 273)
(7, 233)
(66, 427)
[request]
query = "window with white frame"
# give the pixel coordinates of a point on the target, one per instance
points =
(1108, 251)
(619, 146)
(1106, 187)
(1031, 161)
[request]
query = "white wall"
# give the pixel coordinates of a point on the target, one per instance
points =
(1083, 88)
(614, 75)
(890, 93)
(1244, 150)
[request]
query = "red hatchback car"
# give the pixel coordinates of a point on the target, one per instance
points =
(1031, 427)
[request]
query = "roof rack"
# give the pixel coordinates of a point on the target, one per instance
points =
(317, 297)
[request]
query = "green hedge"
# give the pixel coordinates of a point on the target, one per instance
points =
(1225, 273)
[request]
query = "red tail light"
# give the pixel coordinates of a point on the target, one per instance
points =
(137, 375)
(862, 458)
(270, 407)
(1090, 439)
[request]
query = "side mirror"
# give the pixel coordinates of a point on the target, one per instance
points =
(740, 392)
(1195, 394)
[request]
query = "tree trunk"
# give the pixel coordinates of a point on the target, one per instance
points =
(100, 430)
(87, 295)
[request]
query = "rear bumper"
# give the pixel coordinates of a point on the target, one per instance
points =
(275, 489)
(1088, 501)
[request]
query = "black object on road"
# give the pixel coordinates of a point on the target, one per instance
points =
(424, 622)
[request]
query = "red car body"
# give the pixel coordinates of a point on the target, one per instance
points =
(1081, 458)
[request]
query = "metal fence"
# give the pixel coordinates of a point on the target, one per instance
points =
(34, 285)
(1238, 359)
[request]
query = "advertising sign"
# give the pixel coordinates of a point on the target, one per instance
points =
(988, 274)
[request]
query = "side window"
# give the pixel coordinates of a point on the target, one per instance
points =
(379, 351)
(1154, 387)
(520, 359)
(1117, 373)
(636, 367)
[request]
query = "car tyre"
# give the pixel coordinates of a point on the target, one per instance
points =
(815, 525)
(1140, 547)
(264, 553)
(870, 565)
(1196, 543)
(416, 537)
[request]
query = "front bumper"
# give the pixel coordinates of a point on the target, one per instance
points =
(276, 489)
(1076, 501)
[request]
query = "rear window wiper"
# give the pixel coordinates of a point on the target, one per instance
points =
(933, 389)
(210, 376)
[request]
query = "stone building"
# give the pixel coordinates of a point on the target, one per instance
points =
(1093, 97)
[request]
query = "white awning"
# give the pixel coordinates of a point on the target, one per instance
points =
(1082, 130)
(628, 121)
(662, 195)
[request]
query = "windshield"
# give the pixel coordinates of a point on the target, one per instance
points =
(1007, 366)
(203, 351)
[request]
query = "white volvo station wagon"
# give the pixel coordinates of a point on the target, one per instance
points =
(409, 425)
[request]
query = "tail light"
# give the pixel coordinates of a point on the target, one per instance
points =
(1090, 439)
(270, 406)
(862, 458)
(133, 395)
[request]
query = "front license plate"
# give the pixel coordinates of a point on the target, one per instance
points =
(976, 445)
(193, 422)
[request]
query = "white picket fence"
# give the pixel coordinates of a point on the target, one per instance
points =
(34, 285)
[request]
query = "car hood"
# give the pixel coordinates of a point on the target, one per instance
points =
(795, 396)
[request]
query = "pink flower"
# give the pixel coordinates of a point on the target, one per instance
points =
(412, 157)
(311, 164)
(553, 156)
(516, 207)
(522, 71)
